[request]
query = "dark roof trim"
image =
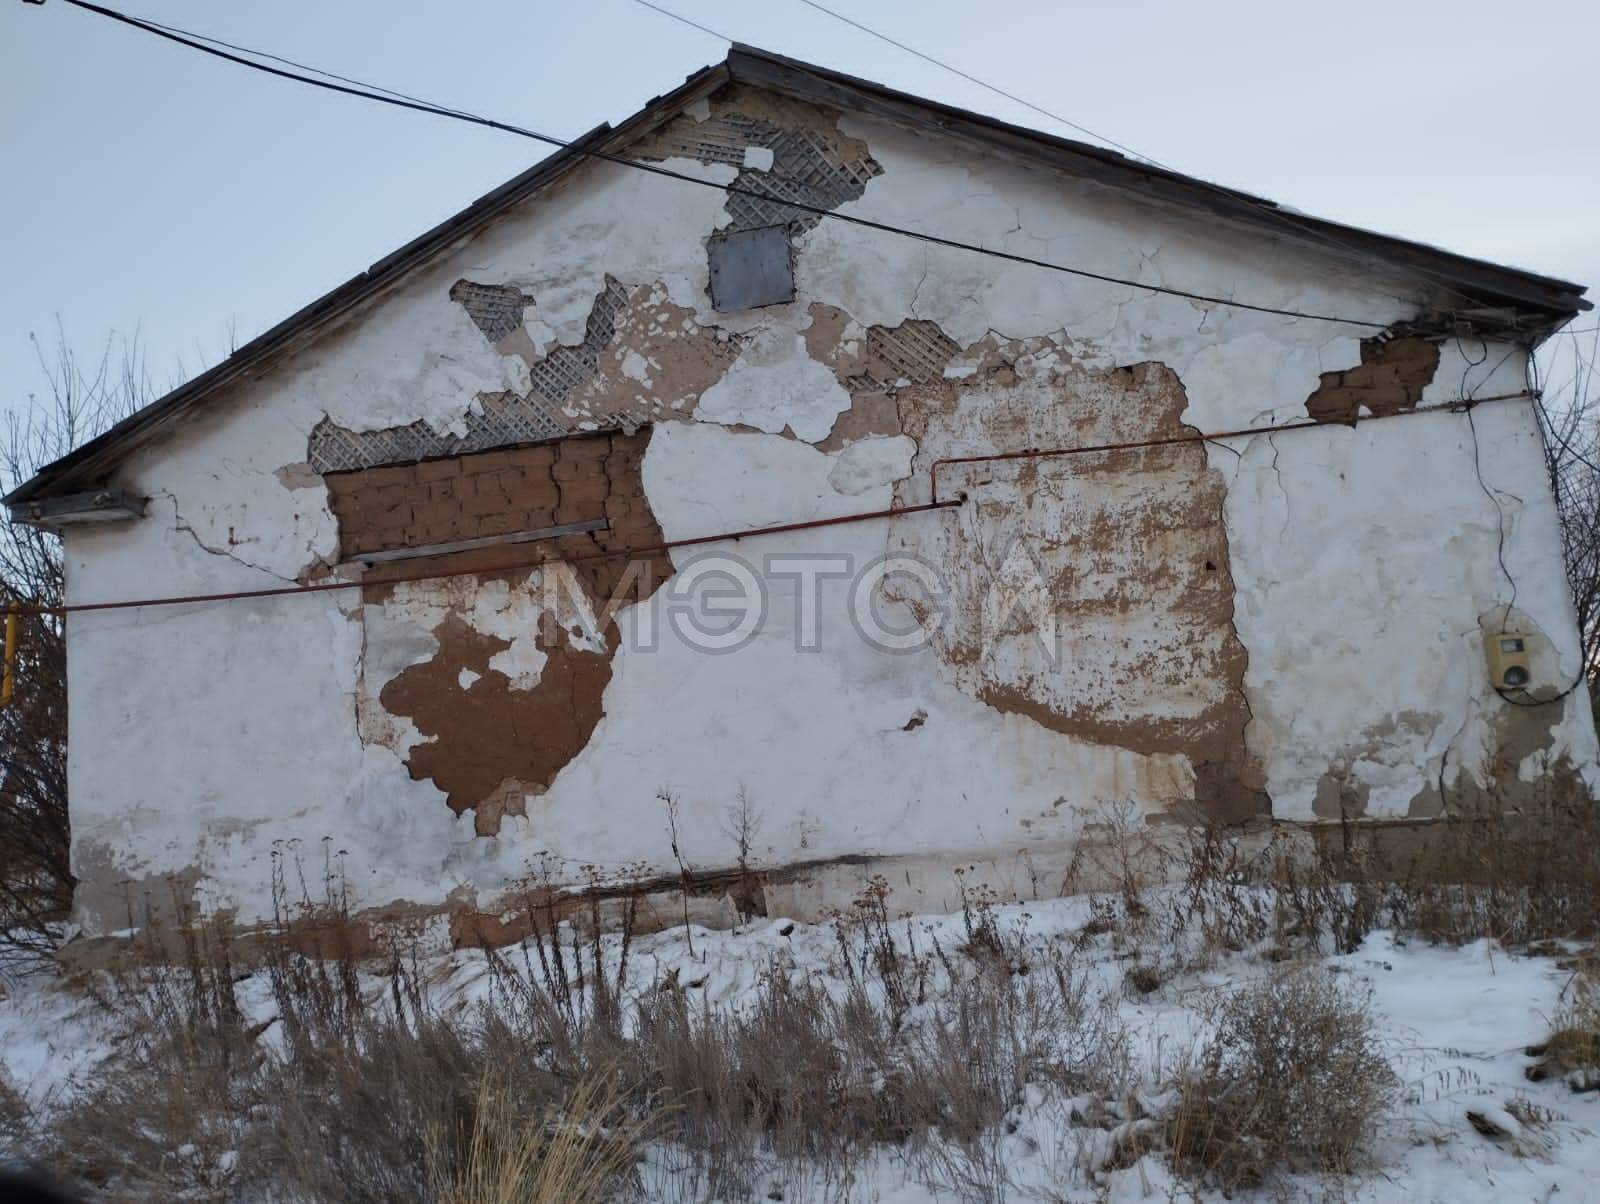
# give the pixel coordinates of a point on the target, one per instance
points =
(101, 454)
(1486, 282)
(1546, 300)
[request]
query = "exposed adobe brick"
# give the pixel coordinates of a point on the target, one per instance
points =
(397, 474)
(432, 514)
(510, 481)
(576, 470)
(537, 458)
(533, 481)
(484, 503)
(570, 512)
(580, 450)
(502, 523)
(590, 491)
(438, 470)
(492, 493)
(482, 462)
(1391, 377)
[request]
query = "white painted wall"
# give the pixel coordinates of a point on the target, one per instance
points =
(207, 738)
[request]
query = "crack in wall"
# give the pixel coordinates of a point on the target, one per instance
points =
(179, 523)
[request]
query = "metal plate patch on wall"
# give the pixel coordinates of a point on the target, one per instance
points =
(751, 268)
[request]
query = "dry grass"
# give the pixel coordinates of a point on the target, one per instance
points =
(1294, 1078)
(1572, 1051)
(1520, 877)
(575, 1154)
(359, 1088)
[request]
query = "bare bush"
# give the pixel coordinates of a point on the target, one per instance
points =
(1572, 1051)
(81, 400)
(1294, 1078)
(313, 1079)
(1571, 430)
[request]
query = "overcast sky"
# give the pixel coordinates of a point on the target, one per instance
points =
(148, 187)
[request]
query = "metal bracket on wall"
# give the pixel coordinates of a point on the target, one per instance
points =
(485, 541)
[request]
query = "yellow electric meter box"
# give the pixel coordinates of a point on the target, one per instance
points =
(1508, 660)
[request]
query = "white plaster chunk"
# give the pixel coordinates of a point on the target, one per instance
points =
(774, 385)
(758, 158)
(874, 461)
(636, 367)
(637, 227)
(703, 479)
(425, 360)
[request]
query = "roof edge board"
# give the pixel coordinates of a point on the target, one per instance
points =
(1557, 299)
(764, 69)
(307, 323)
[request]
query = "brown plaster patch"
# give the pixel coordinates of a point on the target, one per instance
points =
(1340, 796)
(1515, 733)
(1129, 548)
(489, 742)
(1390, 378)
(111, 895)
(655, 367)
(869, 415)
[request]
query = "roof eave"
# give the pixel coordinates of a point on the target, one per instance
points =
(84, 463)
(1545, 301)
(1493, 283)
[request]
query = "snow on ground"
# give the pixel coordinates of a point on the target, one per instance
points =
(1456, 1022)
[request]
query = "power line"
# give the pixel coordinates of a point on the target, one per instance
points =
(1262, 206)
(954, 70)
(934, 504)
(681, 19)
(1265, 207)
(387, 96)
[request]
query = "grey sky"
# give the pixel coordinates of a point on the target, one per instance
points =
(149, 187)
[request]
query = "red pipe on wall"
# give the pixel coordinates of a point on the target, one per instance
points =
(1199, 437)
(778, 529)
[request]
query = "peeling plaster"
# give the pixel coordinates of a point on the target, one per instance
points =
(1294, 618)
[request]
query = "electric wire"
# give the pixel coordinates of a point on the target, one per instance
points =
(934, 503)
(683, 20)
(401, 100)
(1527, 700)
(984, 84)
(346, 85)
(1261, 206)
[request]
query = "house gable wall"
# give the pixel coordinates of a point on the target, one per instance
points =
(1287, 624)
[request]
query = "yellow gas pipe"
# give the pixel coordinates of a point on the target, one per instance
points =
(8, 677)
